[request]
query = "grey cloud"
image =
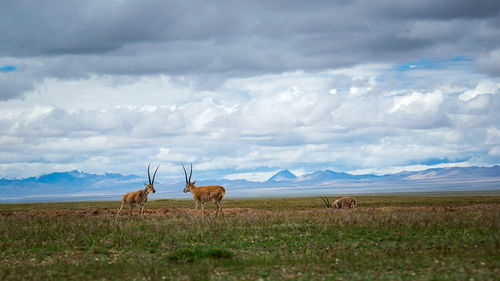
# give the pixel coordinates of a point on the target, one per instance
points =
(12, 85)
(490, 63)
(373, 118)
(429, 9)
(75, 27)
(237, 38)
(20, 80)
(32, 28)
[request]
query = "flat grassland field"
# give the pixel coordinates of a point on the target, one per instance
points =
(387, 237)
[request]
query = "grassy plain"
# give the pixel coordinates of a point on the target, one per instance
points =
(388, 237)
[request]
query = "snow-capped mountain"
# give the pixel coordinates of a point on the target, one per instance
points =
(327, 175)
(284, 175)
(76, 185)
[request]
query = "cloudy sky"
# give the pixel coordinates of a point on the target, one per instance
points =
(246, 88)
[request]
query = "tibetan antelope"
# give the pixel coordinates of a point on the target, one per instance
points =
(344, 202)
(139, 197)
(202, 194)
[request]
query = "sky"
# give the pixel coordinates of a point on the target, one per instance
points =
(243, 89)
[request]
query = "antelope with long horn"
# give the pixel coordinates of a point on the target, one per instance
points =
(344, 202)
(139, 197)
(202, 194)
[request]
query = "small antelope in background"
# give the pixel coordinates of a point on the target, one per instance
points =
(344, 202)
(139, 197)
(202, 194)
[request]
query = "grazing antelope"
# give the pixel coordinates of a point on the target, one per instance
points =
(139, 197)
(202, 194)
(344, 202)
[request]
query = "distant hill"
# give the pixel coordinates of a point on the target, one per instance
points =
(284, 175)
(456, 173)
(78, 178)
(453, 173)
(64, 184)
(77, 185)
(327, 175)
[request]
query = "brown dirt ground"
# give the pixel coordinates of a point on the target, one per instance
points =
(147, 212)
(165, 212)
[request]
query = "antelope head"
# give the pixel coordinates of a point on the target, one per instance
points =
(150, 186)
(189, 184)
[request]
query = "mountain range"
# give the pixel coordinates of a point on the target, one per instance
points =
(286, 175)
(77, 185)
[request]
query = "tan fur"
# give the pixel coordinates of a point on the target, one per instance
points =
(345, 202)
(202, 194)
(139, 197)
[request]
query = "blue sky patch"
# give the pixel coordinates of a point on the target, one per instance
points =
(434, 63)
(7, 68)
(435, 161)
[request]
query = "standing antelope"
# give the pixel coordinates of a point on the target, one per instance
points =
(340, 203)
(139, 197)
(202, 194)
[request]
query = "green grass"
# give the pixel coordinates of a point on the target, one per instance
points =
(424, 237)
(288, 204)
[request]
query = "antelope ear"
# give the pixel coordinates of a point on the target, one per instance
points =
(194, 182)
(145, 184)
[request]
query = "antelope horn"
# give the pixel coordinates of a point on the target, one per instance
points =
(149, 177)
(326, 201)
(191, 172)
(323, 199)
(154, 175)
(185, 174)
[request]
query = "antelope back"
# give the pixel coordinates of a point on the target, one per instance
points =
(209, 192)
(347, 202)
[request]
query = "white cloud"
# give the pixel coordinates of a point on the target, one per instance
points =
(483, 87)
(255, 176)
(409, 168)
(495, 151)
(265, 123)
(493, 136)
(417, 102)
